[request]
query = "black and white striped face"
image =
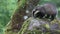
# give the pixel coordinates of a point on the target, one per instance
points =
(38, 14)
(45, 11)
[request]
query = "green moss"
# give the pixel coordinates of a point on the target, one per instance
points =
(24, 26)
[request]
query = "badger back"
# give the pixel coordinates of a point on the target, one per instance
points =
(50, 8)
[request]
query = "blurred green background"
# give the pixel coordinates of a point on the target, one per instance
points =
(7, 9)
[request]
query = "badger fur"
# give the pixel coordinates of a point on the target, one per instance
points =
(46, 10)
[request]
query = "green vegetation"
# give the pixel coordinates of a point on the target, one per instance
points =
(7, 9)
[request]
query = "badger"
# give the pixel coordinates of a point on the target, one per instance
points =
(47, 10)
